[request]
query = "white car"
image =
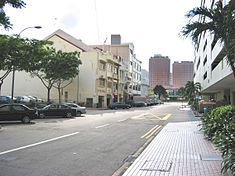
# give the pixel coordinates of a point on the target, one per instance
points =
(80, 109)
(23, 99)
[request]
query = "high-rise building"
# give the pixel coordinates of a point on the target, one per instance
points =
(182, 73)
(159, 71)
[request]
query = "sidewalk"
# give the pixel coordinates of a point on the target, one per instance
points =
(178, 150)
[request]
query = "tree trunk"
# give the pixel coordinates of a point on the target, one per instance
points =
(1, 82)
(59, 91)
(48, 94)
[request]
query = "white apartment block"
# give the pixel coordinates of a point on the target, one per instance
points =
(211, 69)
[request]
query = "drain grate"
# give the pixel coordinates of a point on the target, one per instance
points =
(210, 157)
(157, 166)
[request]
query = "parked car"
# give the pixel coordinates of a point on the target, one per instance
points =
(57, 110)
(119, 105)
(23, 99)
(133, 103)
(13, 112)
(80, 109)
(139, 104)
(6, 99)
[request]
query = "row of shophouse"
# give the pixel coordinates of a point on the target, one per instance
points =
(108, 73)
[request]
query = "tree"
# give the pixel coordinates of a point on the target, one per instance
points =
(181, 91)
(192, 90)
(12, 54)
(55, 68)
(4, 19)
(219, 21)
(66, 67)
(160, 90)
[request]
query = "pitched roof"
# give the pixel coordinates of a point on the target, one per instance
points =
(70, 39)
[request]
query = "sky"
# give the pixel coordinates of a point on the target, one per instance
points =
(153, 26)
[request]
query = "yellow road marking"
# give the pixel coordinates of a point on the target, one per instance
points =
(155, 116)
(154, 131)
(166, 117)
(150, 131)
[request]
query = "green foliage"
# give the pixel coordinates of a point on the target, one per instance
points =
(219, 21)
(54, 67)
(12, 52)
(181, 91)
(191, 90)
(160, 90)
(4, 19)
(218, 125)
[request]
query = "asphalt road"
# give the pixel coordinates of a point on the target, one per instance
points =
(96, 144)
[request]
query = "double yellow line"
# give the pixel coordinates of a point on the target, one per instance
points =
(155, 128)
(151, 132)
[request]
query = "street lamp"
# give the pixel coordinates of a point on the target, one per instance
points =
(13, 69)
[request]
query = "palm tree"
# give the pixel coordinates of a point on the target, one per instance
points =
(160, 90)
(219, 21)
(181, 91)
(192, 90)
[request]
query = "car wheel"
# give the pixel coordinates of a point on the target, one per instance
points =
(26, 119)
(42, 115)
(78, 113)
(68, 115)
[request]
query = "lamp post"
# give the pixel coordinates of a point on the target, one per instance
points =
(13, 68)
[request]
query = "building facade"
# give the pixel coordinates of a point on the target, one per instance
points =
(130, 66)
(211, 69)
(96, 85)
(182, 73)
(159, 71)
(144, 82)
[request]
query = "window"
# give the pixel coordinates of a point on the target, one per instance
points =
(204, 47)
(102, 66)
(102, 82)
(198, 63)
(18, 108)
(5, 108)
(109, 85)
(115, 70)
(205, 60)
(205, 76)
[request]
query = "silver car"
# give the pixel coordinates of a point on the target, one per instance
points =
(80, 109)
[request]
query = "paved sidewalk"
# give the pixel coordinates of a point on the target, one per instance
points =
(178, 150)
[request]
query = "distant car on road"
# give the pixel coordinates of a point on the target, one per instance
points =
(14, 112)
(80, 109)
(133, 103)
(119, 105)
(57, 110)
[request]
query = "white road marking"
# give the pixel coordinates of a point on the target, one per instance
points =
(101, 126)
(122, 120)
(38, 143)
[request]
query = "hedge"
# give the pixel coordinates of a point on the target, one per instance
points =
(218, 126)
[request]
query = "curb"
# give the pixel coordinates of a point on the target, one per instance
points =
(127, 164)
